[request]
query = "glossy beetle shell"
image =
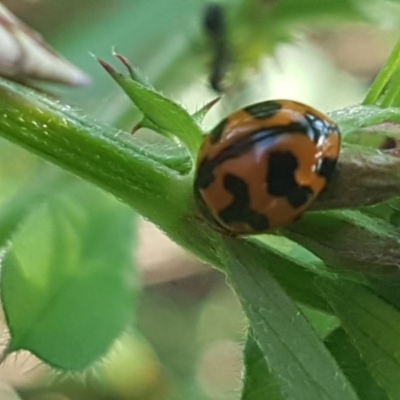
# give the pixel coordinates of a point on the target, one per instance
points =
(264, 165)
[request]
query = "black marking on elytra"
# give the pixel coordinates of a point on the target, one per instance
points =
(261, 139)
(216, 133)
(327, 167)
(280, 176)
(239, 211)
(205, 213)
(299, 196)
(262, 110)
(205, 174)
(281, 181)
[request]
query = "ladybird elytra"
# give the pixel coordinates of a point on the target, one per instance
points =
(263, 166)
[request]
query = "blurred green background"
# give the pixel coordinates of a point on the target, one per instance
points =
(188, 332)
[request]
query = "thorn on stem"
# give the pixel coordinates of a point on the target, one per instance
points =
(212, 103)
(126, 64)
(200, 114)
(106, 66)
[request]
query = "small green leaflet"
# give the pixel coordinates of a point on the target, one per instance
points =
(160, 111)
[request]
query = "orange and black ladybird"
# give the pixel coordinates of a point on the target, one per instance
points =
(264, 165)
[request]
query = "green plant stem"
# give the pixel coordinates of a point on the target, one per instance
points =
(102, 159)
(117, 164)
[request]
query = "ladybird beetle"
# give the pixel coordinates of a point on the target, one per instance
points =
(264, 165)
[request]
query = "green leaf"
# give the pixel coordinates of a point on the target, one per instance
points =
(373, 326)
(384, 90)
(23, 184)
(66, 281)
(258, 381)
(293, 270)
(14, 175)
(162, 112)
(322, 322)
(353, 366)
(44, 182)
(296, 356)
(355, 118)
